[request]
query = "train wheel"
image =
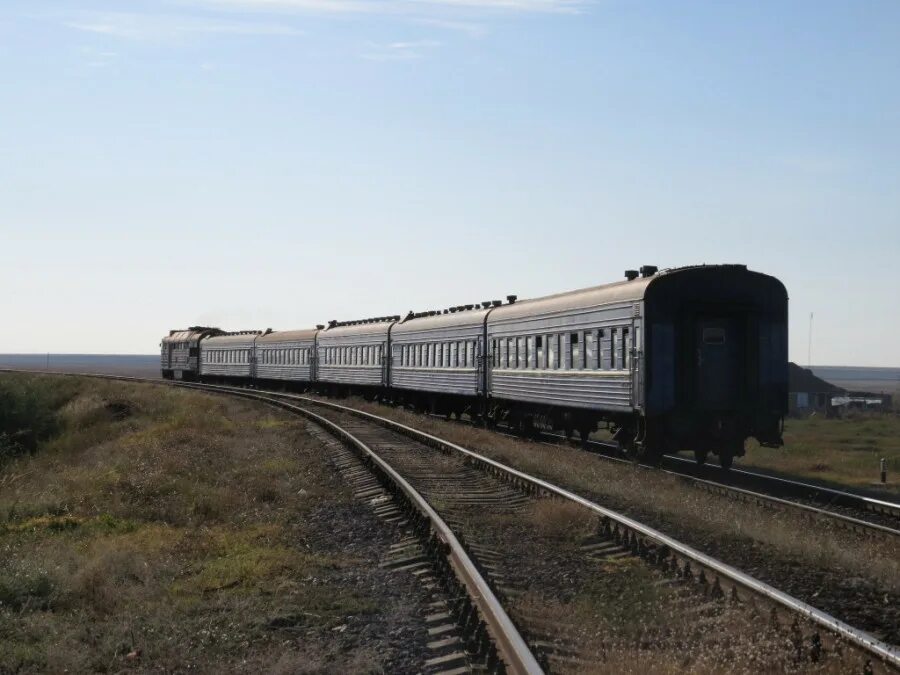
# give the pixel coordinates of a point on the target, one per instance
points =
(700, 456)
(726, 459)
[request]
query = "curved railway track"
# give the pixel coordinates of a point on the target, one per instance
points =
(617, 534)
(466, 483)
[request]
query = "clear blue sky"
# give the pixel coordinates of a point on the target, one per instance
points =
(257, 163)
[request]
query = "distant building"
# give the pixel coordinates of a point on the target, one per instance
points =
(861, 400)
(809, 394)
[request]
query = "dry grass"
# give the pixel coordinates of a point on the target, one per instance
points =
(845, 451)
(168, 530)
(648, 494)
(555, 519)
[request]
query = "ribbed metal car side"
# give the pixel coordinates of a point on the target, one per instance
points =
(228, 355)
(439, 354)
(287, 355)
(354, 354)
(579, 350)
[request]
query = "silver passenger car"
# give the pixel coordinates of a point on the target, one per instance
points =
(229, 355)
(580, 349)
(439, 353)
(354, 353)
(287, 355)
(180, 352)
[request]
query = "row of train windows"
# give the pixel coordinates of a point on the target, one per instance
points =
(227, 356)
(288, 356)
(457, 354)
(362, 355)
(603, 349)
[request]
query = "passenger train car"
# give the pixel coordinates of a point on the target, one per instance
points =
(692, 358)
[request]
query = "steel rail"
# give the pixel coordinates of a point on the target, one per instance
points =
(513, 649)
(792, 488)
(812, 491)
(752, 495)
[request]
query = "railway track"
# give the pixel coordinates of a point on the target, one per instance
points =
(468, 486)
(855, 511)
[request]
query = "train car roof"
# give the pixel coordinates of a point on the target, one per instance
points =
(190, 334)
(620, 291)
(234, 339)
(288, 335)
(377, 328)
(463, 319)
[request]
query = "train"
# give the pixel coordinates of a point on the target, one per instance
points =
(685, 359)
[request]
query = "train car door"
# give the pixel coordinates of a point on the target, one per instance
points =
(718, 363)
(637, 363)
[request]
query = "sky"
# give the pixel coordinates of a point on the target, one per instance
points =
(281, 163)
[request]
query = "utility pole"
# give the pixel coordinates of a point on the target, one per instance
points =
(48, 360)
(809, 347)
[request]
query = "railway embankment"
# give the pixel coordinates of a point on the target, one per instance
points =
(150, 528)
(851, 575)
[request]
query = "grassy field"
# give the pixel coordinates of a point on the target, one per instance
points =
(150, 528)
(845, 450)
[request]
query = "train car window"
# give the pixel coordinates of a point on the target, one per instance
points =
(575, 361)
(626, 348)
(601, 335)
(714, 335)
(539, 351)
(448, 355)
(522, 352)
(590, 350)
(454, 354)
(552, 352)
(613, 348)
(439, 355)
